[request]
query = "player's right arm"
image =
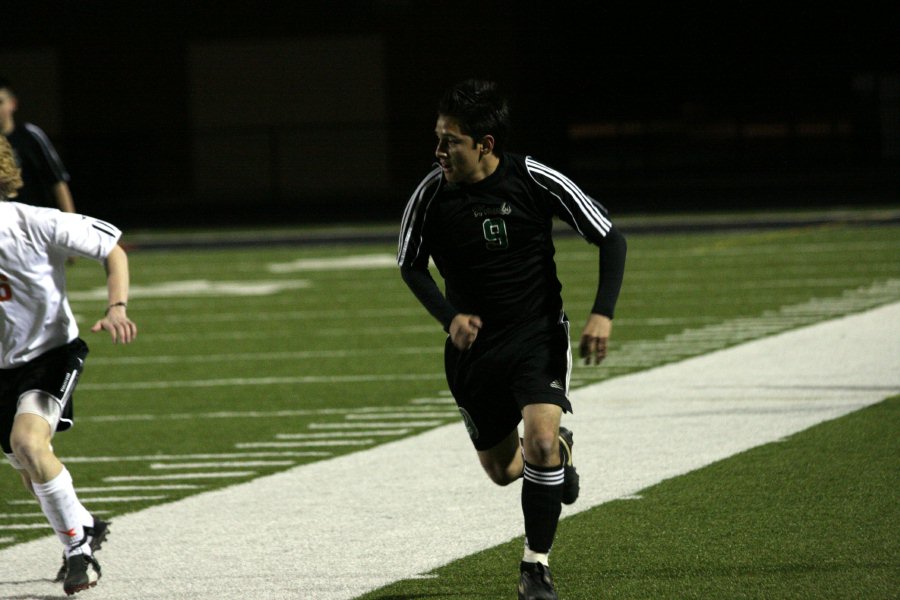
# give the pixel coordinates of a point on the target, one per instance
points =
(413, 258)
(425, 289)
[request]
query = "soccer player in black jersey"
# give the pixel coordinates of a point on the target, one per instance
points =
(485, 217)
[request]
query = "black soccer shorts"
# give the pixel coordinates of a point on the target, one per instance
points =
(55, 372)
(507, 370)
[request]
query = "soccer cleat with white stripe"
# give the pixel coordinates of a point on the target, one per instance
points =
(571, 481)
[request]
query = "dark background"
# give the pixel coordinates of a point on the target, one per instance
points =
(648, 106)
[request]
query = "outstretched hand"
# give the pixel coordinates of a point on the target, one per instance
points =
(116, 322)
(595, 339)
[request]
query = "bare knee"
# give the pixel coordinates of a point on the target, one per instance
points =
(30, 442)
(503, 463)
(28, 449)
(542, 448)
(502, 475)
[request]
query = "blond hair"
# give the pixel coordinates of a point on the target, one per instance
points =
(10, 173)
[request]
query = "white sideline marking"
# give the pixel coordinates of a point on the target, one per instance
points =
(631, 432)
(7, 539)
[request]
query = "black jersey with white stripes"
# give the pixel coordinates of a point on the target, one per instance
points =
(491, 240)
(40, 163)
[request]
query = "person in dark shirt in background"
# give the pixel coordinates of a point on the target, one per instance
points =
(45, 179)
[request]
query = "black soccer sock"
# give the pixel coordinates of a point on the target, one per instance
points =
(541, 505)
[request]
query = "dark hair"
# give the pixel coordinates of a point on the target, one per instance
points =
(5, 84)
(480, 109)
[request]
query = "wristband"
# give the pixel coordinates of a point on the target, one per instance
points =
(122, 304)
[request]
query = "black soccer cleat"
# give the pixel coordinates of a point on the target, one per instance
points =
(95, 537)
(82, 572)
(571, 485)
(535, 582)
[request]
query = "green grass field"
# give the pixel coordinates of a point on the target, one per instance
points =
(247, 357)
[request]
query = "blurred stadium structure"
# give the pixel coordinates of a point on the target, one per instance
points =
(195, 114)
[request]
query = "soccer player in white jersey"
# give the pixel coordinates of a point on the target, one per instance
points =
(42, 357)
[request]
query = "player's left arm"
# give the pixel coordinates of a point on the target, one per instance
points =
(595, 337)
(115, 319)
(591, 220)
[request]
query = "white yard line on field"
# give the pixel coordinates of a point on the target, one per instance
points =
(120, 499)
(339, 434)
(243, 464)
(256, 381)
(266, 356)
(365, 261)
(250, 414)
(152, 457)
(451, 412)
(181, 476)
(306, 444)
(98, 500)
(309, 532)
(292, 315)
(385, 425)
(138, 488)
(198, 287)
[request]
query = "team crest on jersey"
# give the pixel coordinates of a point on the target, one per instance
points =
(470, 423)
(489, 210)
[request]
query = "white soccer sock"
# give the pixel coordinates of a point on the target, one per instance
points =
(535, 557)
(66, 514)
